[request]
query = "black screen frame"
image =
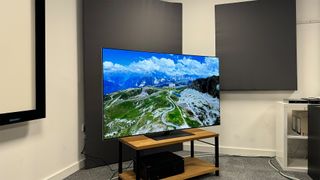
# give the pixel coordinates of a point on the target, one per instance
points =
(158, 132)
(40, 109)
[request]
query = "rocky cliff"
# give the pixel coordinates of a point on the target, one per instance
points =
(208, 85)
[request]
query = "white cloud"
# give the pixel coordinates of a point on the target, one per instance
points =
(191, 66)
(154, 64)
(185, 66)
(109, 66)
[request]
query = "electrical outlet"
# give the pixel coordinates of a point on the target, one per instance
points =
(83, 128)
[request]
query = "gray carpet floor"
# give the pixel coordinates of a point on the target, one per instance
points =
(231, 168)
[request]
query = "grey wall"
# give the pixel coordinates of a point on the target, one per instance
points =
(256, 43)
(147, 25)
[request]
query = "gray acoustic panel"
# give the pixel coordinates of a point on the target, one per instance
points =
(147, 25)
(256, 45)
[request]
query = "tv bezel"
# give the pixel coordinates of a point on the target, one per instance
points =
(151, 133)
(40, 55)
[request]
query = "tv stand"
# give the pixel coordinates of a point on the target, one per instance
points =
(193, 166)
(168, 135)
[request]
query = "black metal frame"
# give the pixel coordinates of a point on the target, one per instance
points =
(40, 54)
(313, 141)
(216, 154)
(138, 152)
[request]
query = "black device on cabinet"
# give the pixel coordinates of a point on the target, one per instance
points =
(159, 165)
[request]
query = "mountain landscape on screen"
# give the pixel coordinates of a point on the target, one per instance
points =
(152, 92)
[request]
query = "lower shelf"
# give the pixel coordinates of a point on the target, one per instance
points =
(192, 167)
(297, 164)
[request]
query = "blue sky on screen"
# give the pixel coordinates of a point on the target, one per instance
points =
(172, 64)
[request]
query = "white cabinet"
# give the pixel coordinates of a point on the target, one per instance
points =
(292, 136)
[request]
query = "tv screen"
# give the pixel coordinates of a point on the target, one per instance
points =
(147, 92)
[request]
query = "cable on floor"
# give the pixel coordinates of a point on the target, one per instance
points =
(280, 172)
(114, 173)
(270, 162)
(95, 158)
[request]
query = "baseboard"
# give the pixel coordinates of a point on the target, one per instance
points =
(63, 173)
(228, 150)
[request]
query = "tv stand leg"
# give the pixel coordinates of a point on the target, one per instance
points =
(216, 147)
(138, 165)
(217, 173)
(192, 148)
(120, 158)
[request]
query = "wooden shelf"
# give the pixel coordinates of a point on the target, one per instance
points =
(142, 142)
(193, 167)
(297, 164)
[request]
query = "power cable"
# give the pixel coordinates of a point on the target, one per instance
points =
(280, 172)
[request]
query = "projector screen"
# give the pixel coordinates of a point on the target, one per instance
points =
(22, 65)
(17, 64)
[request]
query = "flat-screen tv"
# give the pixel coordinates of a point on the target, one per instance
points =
(148, 92)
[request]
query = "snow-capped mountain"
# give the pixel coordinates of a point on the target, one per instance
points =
(116, 81)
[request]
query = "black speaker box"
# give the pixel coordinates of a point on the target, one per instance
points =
(159, 165)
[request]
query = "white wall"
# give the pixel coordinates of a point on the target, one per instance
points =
(248, 117)
(50, 147)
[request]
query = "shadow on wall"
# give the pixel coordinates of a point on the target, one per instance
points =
(17, 131)
(80, 80)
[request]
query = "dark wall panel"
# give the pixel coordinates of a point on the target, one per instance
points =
(147, 25)
(256, 43)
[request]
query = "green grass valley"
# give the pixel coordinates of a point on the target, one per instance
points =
(149, 109)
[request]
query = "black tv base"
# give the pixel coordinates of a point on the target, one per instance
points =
(168, 135)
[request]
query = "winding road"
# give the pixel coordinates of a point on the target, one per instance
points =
(163, 113)
(172, 107)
